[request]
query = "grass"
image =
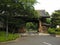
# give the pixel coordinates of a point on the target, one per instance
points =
(10, 36)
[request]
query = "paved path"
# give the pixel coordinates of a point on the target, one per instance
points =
(35, 40)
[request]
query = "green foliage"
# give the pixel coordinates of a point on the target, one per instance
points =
(32, 26)
(51, 30)
(47, 13)
(56, 18)
(29, 25)
(58, 33)
(57, 29)
(20, 7)
(13, 8)
(10, 36)
(54, 31)
(48, 20)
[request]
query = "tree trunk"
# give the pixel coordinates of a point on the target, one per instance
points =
(6, 29)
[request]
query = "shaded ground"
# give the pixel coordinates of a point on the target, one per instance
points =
(35, 40)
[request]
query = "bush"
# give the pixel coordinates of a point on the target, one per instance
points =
(57, 29)
(58, 33)
(54, 31)
(51, 30)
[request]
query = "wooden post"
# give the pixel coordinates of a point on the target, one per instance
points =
(40, 26)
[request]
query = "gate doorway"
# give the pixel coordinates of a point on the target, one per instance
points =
(31, 27)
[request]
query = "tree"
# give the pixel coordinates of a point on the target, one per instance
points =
(56, 18)
(11, 8)
(48, 20)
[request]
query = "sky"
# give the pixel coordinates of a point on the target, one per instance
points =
(48, 5)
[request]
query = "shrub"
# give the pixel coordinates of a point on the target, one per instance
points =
(58, 33)
(51, 30)
(57, 29)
